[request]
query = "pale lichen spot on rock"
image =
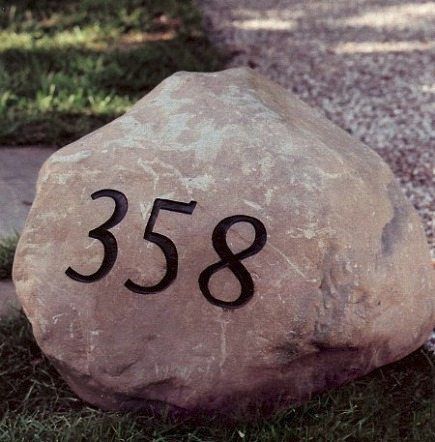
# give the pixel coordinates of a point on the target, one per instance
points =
(71, 158)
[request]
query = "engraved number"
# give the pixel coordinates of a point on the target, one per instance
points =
(219, 239)
(167, 246)
(233, 261)
(102, 234)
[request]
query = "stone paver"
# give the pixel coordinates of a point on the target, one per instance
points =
(19, 167)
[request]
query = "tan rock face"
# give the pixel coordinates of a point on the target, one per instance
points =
(219, 247)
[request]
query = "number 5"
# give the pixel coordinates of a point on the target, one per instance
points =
(167, 246)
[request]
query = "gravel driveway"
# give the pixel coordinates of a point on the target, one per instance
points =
(369, 65)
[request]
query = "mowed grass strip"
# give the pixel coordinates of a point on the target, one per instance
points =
(7, 252)
(68, 67)
(390, 404)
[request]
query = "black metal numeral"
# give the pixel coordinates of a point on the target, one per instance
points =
(167, 246)
(232, 261)
(102, 234)
(228, 258)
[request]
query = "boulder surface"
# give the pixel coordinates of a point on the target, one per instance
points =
(221, 248)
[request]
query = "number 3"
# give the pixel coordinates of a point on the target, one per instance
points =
(102, 234)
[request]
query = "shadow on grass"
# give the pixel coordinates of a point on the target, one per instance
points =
(70, 67)
(392, 403)
(7, 252)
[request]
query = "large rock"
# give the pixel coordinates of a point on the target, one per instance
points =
(337, 282)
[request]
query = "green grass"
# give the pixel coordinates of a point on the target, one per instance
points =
(394, 403)
(7, 251)
(68, 67)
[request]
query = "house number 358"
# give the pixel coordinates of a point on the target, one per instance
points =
(228, 258)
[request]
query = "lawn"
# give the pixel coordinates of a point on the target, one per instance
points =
(7, 251)
(68, 67)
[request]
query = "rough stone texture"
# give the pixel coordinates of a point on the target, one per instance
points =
(367, 64)
(343, 284)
